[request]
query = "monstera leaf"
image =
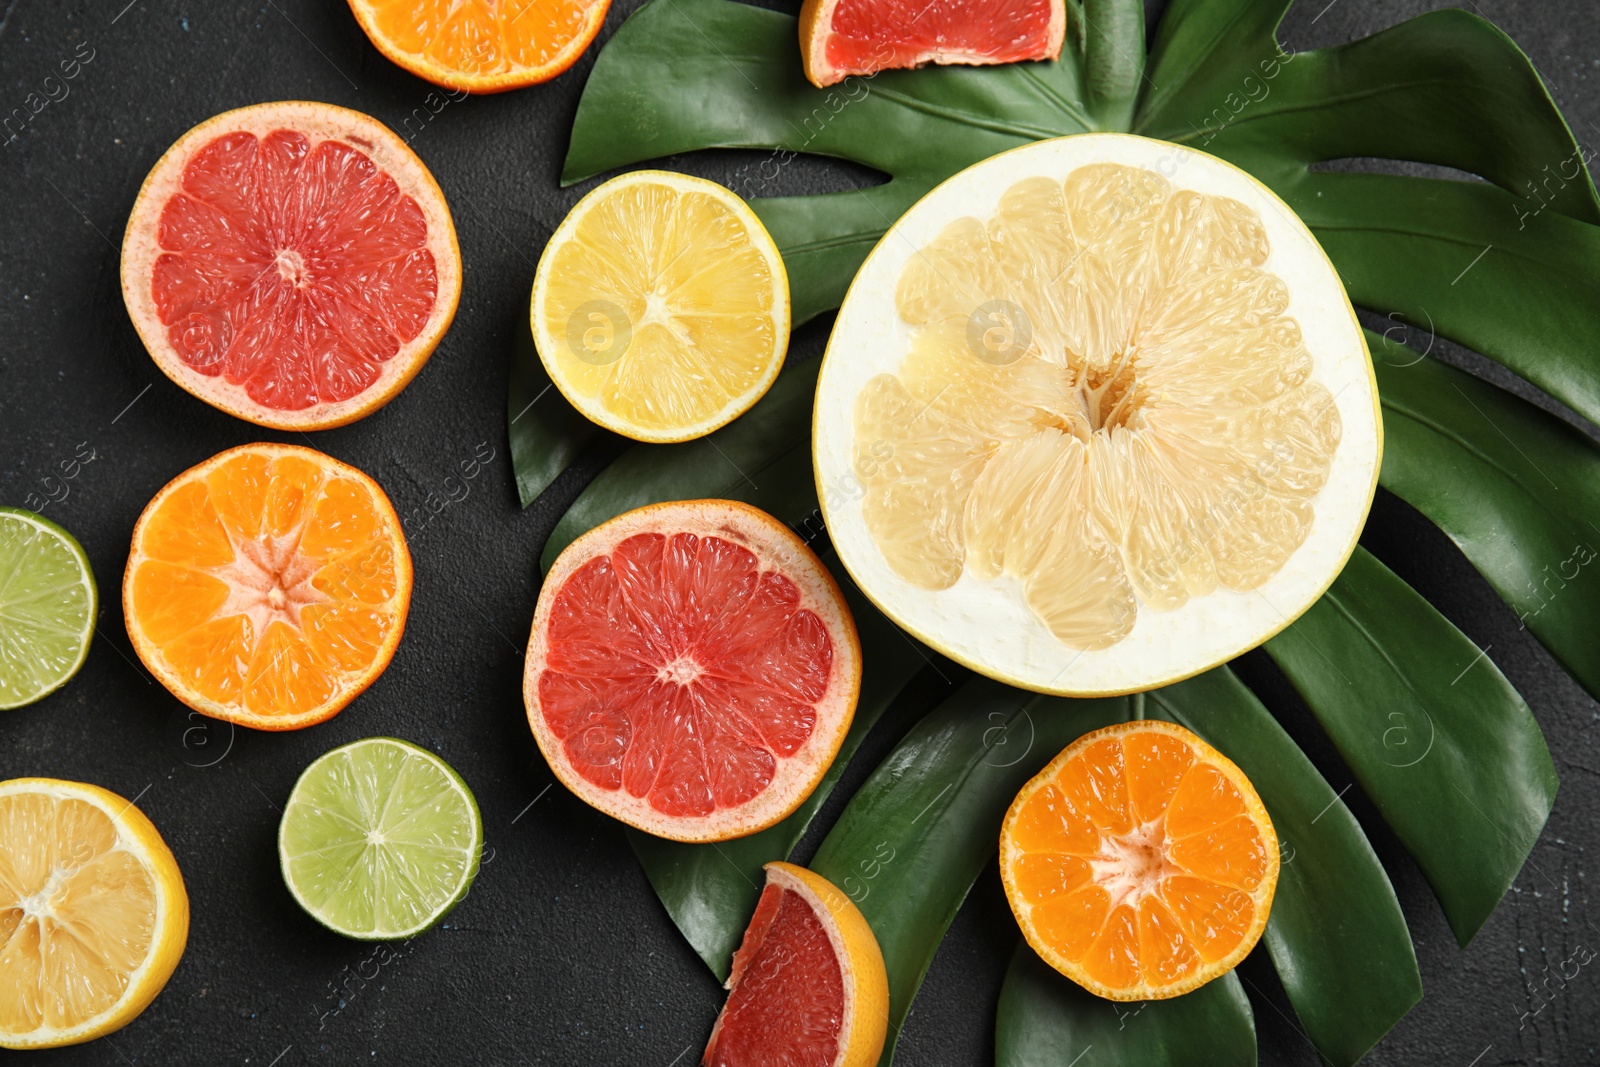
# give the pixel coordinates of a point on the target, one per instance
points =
(1505, 260)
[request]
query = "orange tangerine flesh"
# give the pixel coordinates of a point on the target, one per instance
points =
(1140, 863)
(486, 46)
(268, 586)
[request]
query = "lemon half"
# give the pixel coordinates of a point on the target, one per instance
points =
(93, 913)
(661, 306)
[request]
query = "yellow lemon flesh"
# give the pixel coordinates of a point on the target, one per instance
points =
(93, 913)
(660, 307)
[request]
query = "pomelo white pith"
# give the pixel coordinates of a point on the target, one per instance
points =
(1096, 416)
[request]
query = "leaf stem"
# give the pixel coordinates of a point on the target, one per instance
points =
(1113, 60)
(1138, 707)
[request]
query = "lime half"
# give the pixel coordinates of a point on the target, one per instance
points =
(379, 839)
(47, 607)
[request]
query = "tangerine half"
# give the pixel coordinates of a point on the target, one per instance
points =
(1140, 863)
(268, 586)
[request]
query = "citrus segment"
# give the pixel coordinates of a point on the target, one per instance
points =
(93, 913)
(293, 264)
(1154, 893)
(692, 669)
(48, 602)
(482, 47)
(268, 586)
(661, 306)
(808, 985)
(839, 38)
(1125, 416)
(379, 839)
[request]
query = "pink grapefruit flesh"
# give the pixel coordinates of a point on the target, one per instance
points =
(293, 264)
(840, 38)
(808, 986)
(787, 989)
(692, 669)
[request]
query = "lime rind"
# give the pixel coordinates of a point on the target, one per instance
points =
(380, 839)
(48, 603)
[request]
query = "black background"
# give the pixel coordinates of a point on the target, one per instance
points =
(561, 953)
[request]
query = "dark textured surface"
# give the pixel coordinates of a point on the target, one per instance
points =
(561, 954)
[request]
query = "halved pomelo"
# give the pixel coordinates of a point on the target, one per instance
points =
(1096, 416)
(693, 669)
(93, 913)
(839, 38)
(293, 264)
(808, 986)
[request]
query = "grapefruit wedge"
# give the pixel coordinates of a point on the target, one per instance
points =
(293, 264)
(840, 38)
(693, 669)
(808, 987)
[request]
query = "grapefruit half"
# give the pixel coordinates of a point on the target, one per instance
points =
(1096, 415)
(293, 264)
(839, 38)
(692, 670)
(808, 985)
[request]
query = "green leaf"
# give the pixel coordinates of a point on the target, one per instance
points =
(682, 75)
(1048, 1020)
(1435, 734)
(1517, 489)
(1113, 67)
(917, 834)
(1336, 934)
(1446, 88)
(546, 432)
(1511, 271)
(1471, 263)
(730, 463)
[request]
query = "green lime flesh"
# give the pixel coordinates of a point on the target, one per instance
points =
(47, 607)
(379, 839)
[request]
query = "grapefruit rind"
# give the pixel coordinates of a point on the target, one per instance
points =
(547, 343)
(137, 835)
(987, 625)
(516, 78)
(864, 1025)
(777, 547)
(1262, 896)
(816, 21)
(150, 654)
(318, 121)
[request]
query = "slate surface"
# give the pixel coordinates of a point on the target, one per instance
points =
(561, 954)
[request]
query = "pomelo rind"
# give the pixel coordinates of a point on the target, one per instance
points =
(985, 625)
